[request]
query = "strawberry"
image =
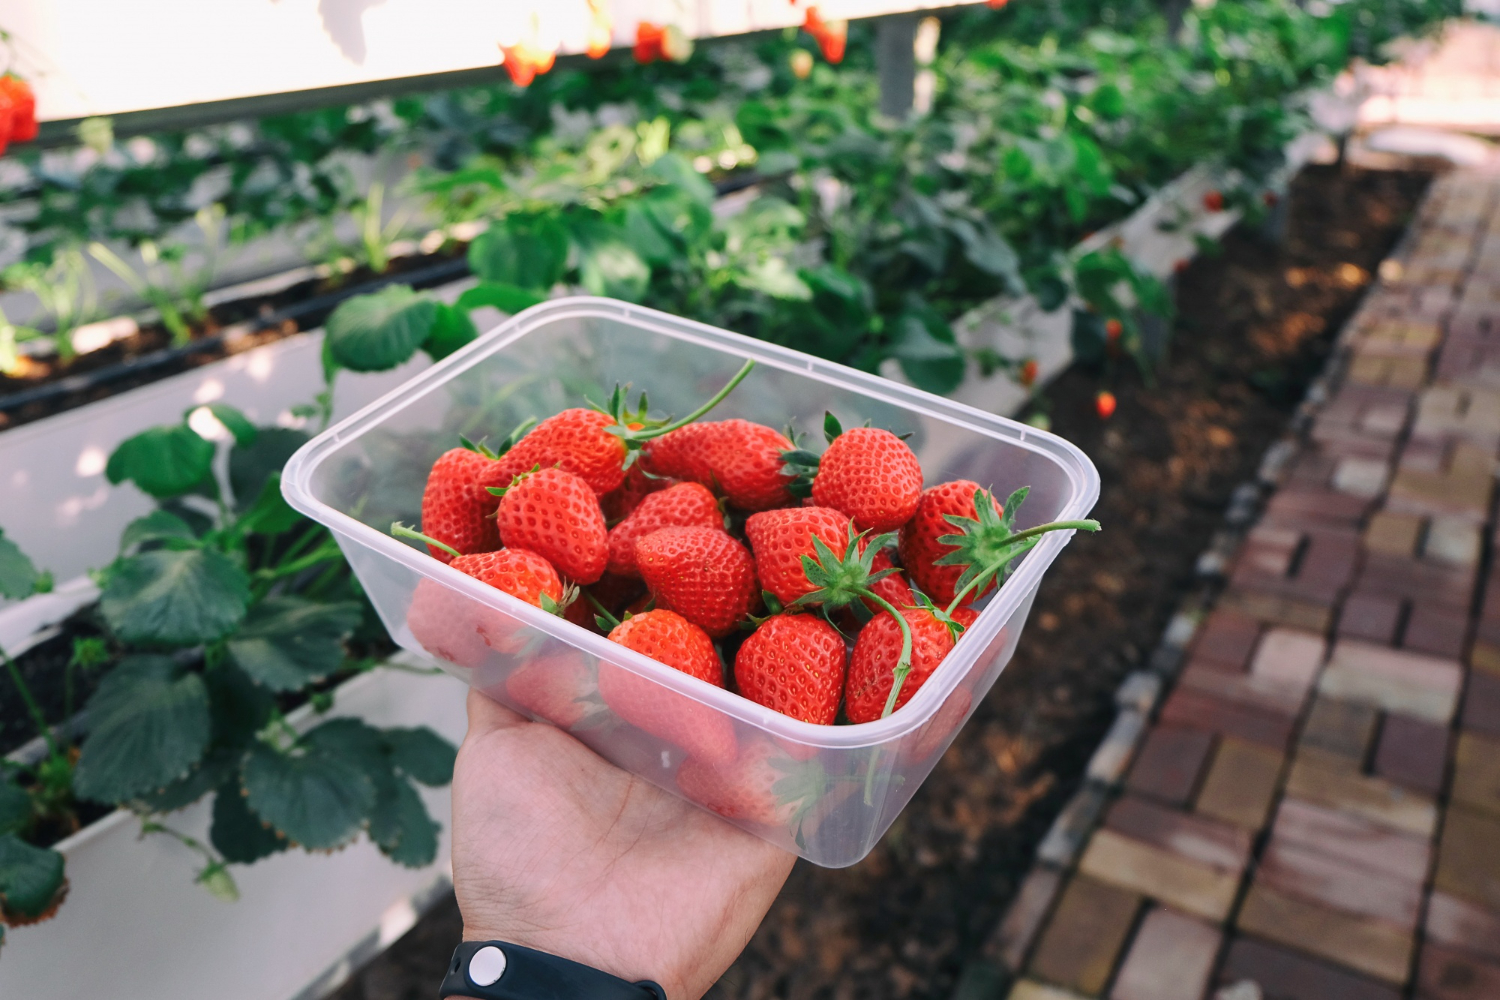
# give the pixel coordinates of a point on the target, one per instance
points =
(671, 639)
(1028, 374)
(893, 588)
(622, 501)
(455, 505)
(577, 441)
(450, 625)
(559, 688)
(518, 572)
(684, 505)
(781, 539)
(23, 124)
(872, 476)
(1104, 405)
(877, 652)
(793, 663)
(1214, 201)
(763, 785)
(921, 549)
(703, 574)
(556, 515)
(739, 458)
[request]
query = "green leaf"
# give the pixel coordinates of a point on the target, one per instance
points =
(18, 576)
(607, 265)
(377, 332)
(316, 796)
(509, 299)
(148, 725)
(30, 878)
(163, 461)
(421, 754)
(451, 330)
(239, 706)
(774, 277)
(271, 514)
(220, 884)
(251, 465)
(237, 833)
(927, 351)
(158, 526)
(174, 598)
(15, 808)
(525, 251)
(209, 773)
(401, 826)
(235, 422)
(287, 643)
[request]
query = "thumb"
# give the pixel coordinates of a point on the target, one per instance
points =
(487, 715)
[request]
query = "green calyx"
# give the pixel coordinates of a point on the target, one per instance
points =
(500, 491)
(509, 442)
(802, 465)
(618, 408)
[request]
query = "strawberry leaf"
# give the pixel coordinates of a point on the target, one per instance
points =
(15, 808)
(421, 754)
(149, 724)
(18, 576)
(377, 332)
(287, 643)
(318, 795)
(400, 824)
(174, 597)
(238, 834)
(30, 879)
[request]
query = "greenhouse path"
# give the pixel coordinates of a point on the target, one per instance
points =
(1315, 812)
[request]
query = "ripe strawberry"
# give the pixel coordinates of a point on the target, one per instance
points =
(781, 538)
(23, 124)
(739, 458)
(456, 506)
(872, 666)
(1214, 201)
(669, 638)
(555, 514)
(684, 505)
(577, 441)
(703, 574)
(518, 572)
(619, 503)
(1113, 329)
(763, 785)
(1104, 405)
(1029, 369)
(793, 663)
(920, 546)
(559, 688)
(450, 625)
(871, 475)
(894, 588)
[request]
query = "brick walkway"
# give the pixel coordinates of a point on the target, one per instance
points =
(1315, 812)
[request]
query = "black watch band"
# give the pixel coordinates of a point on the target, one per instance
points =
(494, 970)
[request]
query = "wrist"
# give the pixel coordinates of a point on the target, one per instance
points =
(504, 970)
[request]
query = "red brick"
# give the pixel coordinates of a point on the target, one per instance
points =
(1283, 974)
(1482, 703)
(1243, 689)
(1412, 753)
(1169, 763)
(1013, 938)
(1468, 864)
(1447, 974)
(1190, 708)
(1340, 727)
(1435, 629)
(1461, 924)
(1170, 959)
(1304, 507)
(1087, 932)
(1362, 842)
(1416, 579)
(1322, 876)
(1370, 616)
(1227, 639)
(1195, 837)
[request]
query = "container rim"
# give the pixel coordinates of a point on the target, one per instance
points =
(1083, 478)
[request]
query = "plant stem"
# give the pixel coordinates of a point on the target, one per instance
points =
(1088, 524)
(903, 665)
(718, 398)
(402, 531)
(613, 621)
(32, 708)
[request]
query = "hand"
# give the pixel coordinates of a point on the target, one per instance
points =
(556, 849)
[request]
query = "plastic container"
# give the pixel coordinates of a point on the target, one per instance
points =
(827, 793)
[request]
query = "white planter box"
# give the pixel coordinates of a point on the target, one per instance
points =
(136, 927)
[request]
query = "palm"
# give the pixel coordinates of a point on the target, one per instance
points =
(556, 849)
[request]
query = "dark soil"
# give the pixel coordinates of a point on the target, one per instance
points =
(1256, 323)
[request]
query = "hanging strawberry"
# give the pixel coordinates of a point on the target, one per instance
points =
(648, 39)
(1104, 405)
(831, 36)
(525, 60)
(600, 32)
(23, 126)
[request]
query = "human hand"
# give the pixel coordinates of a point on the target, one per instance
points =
(556, 849)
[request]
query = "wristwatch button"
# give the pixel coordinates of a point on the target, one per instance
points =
(487, 966)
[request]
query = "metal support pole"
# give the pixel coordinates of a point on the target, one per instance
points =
(896, 61)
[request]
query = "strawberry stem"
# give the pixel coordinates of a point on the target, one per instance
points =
(1088, 524)
(739, 376)
(903, 664)
(603, 611)
(402, 531)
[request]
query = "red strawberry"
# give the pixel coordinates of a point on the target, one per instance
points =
(871, 475)
(920, 548)
(1214, 201)
(894, 588)
(1104, 405)
(793, 663)
(518, 572)
(619, 504)
(23, 124)
(741, 458)
(872, 667)
(450, 625)
(456, 506)
(555, 514)
(703, 574)
(686, 505)
(764, 785)
(671, 639)
(577, 441)
(559, 688)
(781, 538)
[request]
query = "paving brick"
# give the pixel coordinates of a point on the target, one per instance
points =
(1436, 630)
(1393, 534)
(1171, 958)
(1374, 947)
(1227, 639)
(1248, 689)
(1066, 836)
(1482, 703)
(1484, 655)
(1287, 975)
(1476, 773)
(1343, 728)
(1028, 911)
(1193, 837)
(1360, 477)
(1359, 840)
(1454, 541)
(1240, 784)
(1289, 658)
(1370, 616)
(1187, 707)
(1462, 489)
(1412, 753)
(1416, 580)
(1169, 763)
(1398, 681)
(1084, 938)
(1164, 876)
(1278, 610)
(1373, 798)
(1328, 508)
(1468, 863)
(1461, 924)
(1447, 974)
(1030, 989)
(1325, 877)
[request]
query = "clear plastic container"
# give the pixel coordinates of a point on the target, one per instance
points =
(827, 793)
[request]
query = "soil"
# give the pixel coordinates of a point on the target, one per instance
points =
(1255, 324)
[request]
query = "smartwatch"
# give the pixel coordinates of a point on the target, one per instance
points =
(495, 970)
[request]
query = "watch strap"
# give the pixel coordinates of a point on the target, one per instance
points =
(495, 970)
